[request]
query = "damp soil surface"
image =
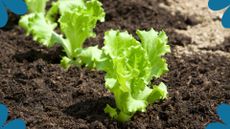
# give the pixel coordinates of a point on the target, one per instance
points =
(37, 89)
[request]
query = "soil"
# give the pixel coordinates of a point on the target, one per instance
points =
(37, 89)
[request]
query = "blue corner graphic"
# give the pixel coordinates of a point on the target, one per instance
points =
(216, 5)
(13, 124)
(16, 6)
(223, 111)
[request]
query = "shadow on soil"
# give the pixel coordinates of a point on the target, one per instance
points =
(52, 56)
(90, 109)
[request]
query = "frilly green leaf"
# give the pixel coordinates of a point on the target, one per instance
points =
(132, 66)
(36, 6)
(41, 30)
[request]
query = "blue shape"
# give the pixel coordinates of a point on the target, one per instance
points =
(216, 5)
(3, 15)
(226, 18)
(223, 111)
(216, 125)
(13, 124)
(3, 114)
(16, 6)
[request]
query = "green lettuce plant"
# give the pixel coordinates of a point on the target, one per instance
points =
(76, 19)
(130, 65)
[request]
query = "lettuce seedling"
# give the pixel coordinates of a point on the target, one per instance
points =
(76, 18)
(130, 66)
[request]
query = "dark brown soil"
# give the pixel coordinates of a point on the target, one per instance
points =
(37, 89)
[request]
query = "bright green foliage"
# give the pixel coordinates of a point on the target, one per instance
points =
(77, 19)
(88, 56)
(37, 6)
(130, 66)
(36, 25)
(78, 24)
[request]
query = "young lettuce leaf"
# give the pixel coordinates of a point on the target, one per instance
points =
(36, 6)
(42, 30)
(76, 18)
(78, 24)
(61, 6)
(130, 66)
